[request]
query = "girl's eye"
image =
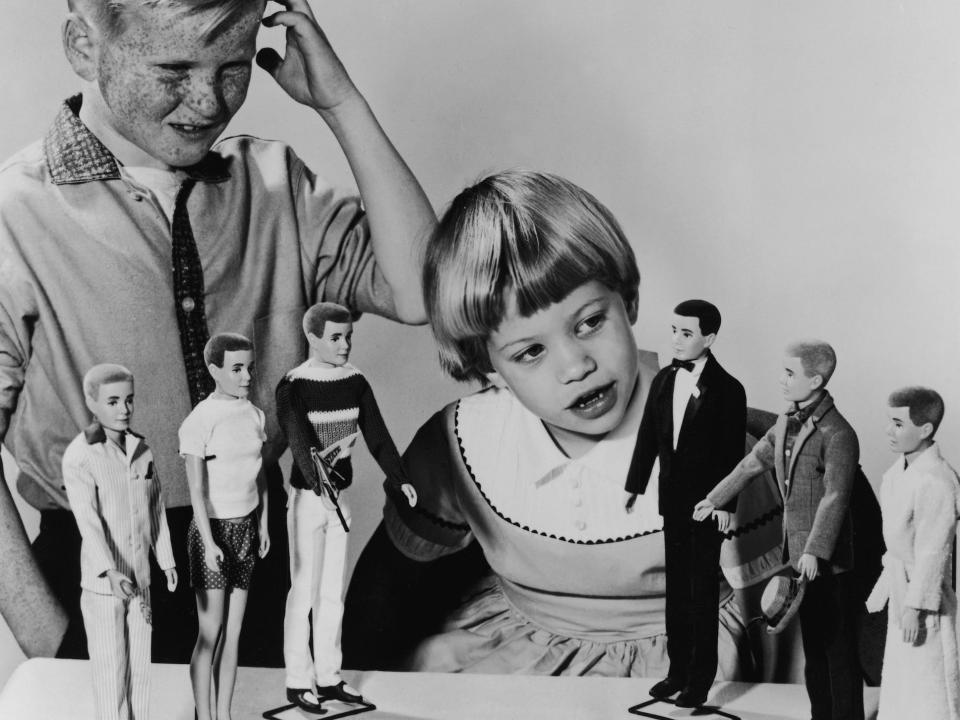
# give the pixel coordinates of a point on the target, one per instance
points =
(529, 354)
(591, 323)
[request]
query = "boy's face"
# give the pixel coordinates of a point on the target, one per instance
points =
(797, 387)
(165, 87)
(333, 348)
(903, 435)
(234, 377)
(113, 406)
(689, 343)
(574, 364)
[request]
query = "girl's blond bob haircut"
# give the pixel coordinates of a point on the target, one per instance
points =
(524, 236)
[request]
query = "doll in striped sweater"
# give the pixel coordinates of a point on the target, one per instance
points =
(322, 405)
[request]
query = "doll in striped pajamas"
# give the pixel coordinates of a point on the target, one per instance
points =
(114, 492)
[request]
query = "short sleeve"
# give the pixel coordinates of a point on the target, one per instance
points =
(195, 432)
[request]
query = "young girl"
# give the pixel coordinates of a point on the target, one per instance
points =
(531, 289)
(920, 500)
(221, 441)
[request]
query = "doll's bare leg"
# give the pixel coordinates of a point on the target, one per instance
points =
(210, 607)
(225, 662)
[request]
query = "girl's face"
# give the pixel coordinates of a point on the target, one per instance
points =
(574, 363)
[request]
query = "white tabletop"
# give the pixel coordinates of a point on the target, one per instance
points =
(43, 689)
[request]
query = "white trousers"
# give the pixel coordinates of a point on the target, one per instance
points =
(318, 554)
(118, 640)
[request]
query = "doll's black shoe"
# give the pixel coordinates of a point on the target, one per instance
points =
(690, 698)
(666, 688)
(341, 691)
(304, 699)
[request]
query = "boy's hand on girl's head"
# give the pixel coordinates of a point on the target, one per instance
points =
(808, 566)
(702, 510)
(723, 519)
(410, 492)
(264, 542)
(309, 71)
(120, 585)
(171, 579)
(213, 557)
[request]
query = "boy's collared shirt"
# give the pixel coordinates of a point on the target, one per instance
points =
(85, 273)
(115, 496)
(684, 384)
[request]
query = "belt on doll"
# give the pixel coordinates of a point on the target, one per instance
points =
(597, 618)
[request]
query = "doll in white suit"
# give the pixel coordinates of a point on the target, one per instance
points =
(920, 499)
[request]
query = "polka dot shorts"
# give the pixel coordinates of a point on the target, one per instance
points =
(238, 539)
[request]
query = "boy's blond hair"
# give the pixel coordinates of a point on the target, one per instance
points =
(816, 356)
(524, 236)
(108, 15)
(104, 374)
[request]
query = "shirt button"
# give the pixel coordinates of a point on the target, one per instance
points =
(188, 304)
(576, 484)
(577, 501)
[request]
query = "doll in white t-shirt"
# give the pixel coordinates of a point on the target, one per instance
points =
(221, 442)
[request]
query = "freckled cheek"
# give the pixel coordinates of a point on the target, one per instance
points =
(234, 91)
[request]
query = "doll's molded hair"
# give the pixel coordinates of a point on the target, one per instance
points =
(925, 405)
(816, 357)
(108, 15)
(705, 312)
(223, 343)
(104, 374)
(516, 235)
(316, 317)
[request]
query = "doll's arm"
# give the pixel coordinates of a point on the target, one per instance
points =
(197, 480)
(733, 434)
(646, 448)
(380, 443)
(160, 530)
(82, 491)
(298, 430)
(934, 522)
(841, 455)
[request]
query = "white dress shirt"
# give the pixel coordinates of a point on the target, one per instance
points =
(684, 385)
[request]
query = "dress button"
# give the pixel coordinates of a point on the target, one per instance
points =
(581, 525)
(577, 501)
(188, 304)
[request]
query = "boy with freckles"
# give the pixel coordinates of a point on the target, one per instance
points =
(130, 182)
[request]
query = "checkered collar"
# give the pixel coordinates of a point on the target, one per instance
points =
(75, 155)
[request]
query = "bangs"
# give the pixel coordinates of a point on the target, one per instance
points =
(531, 246)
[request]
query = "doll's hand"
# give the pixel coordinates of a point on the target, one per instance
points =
(410, 492)
(310, 71)
(723, 519)
(120, 585)
(808, 566)
(910, 622)
(630, 502)
(171, 579)
(264, 541)
(213, 557)
(702, 510)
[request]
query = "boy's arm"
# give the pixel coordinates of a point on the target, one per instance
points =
(733, 433)
(757, 461)
(841, 455)
(399, 212)
(162, 548)
(292, 417)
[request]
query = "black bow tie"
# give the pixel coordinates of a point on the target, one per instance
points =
(685, 364)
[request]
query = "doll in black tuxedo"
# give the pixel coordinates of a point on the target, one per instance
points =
(694, 422)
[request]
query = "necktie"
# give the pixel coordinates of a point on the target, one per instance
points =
(685, 364)
(188, 298)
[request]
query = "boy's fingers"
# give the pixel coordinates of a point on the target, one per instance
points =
(298, 6)
(269, 59)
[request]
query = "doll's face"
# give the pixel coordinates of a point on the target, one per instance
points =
(903, 436)
(574, 363)
(796, 386)
(233, 379)
(113, 406)
(689, 343)
(333, 347)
